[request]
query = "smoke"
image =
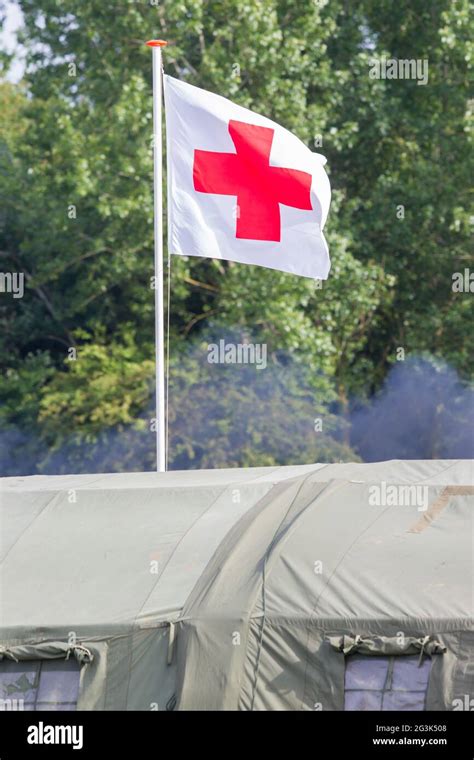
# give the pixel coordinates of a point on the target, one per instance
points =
(244, 413)
(231, 414)
(116, 449)
(424, 411)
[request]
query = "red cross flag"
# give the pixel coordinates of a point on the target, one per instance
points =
(242, 188)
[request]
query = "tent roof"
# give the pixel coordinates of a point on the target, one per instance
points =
(94, 553)
(431, 471)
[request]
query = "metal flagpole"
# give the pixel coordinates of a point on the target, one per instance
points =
(156, 46)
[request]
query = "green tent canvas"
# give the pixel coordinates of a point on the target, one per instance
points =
(318, 587)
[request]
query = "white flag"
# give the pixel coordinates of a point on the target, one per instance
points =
(240, 187)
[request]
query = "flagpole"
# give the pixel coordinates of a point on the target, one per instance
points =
(156, 46)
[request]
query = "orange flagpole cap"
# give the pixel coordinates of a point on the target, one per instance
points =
(156, 43)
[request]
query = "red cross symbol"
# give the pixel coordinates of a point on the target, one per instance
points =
(247, 174)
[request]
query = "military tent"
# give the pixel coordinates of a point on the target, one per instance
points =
(318, 587)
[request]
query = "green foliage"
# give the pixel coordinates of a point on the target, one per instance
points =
(76, 218)
(238, 415)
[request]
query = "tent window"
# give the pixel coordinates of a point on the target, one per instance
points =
(385, 683)
(39, 684)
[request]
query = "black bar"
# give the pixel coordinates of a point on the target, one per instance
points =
(136, 734)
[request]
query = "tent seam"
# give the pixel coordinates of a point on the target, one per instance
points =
(263, 589)
(189, 528)
(27, 527)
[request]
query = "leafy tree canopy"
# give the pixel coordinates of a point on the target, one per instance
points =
(76, 218)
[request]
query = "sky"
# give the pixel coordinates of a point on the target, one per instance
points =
(14, 19)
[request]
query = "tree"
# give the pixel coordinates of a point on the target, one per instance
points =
(75, 185)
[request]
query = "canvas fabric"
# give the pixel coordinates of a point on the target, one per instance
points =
(239, 589)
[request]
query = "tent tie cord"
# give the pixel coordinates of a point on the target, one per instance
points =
(19, 653)
(386, 645)
(6, 652)
(424, 642)
(82, 654)
(171, 640)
